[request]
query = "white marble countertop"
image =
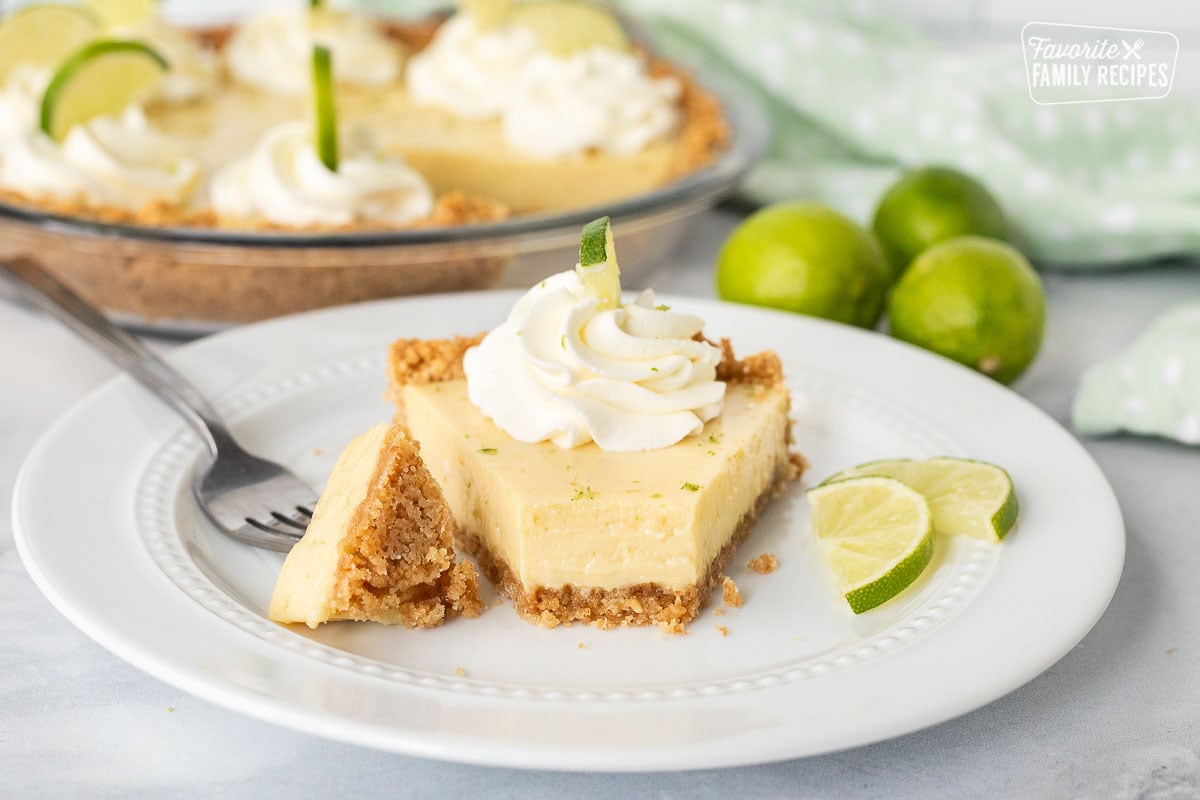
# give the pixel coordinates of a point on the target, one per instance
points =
(1119, 717)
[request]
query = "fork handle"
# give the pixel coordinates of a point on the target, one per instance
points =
(46, 292)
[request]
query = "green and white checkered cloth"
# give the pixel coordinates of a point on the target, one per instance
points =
(856, 97)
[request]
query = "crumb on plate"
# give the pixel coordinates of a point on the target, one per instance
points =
(764, 564)
(729, 591)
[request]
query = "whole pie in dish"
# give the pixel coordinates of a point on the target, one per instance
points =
(501, 108)
(602, 460)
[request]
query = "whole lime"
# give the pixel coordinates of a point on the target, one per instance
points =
(974, 300)
(807, 258)
(932, 205)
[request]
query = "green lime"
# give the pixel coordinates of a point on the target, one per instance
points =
(123, 13)
(598, 262)
(877, 535)
(324, 107)
(968, 498)
(807, 258)
(43, 35)
(101, 78)
(564, 27)
(974, 300)
(932, 205)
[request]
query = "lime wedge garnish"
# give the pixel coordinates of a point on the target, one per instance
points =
(877, 535)
(324, 107)
(598, 263)
(970, 498)
(487, 14)
(123, 13)
(563, 27)
(102, 78)
(43, 35)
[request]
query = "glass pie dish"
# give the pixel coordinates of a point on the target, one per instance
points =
(189, 281)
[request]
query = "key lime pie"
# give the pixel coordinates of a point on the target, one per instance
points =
(602, 460)
(504, 107)
(379, 545)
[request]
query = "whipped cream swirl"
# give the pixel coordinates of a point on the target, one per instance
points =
(272, 50)
(598, 99)
(20, 99)
(471, 72)
(119, 161)
(284, 181)
(561, 369)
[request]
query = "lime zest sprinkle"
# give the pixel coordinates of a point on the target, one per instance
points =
(584, 493)
(691, 487)
(654, 369)
(656, 495)
(563, 341)
(662, 307)
(491, 451)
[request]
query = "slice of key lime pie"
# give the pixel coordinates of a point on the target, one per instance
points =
(602, 460)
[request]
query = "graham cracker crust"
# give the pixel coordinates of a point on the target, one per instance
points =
(638, 605)
(451, 208)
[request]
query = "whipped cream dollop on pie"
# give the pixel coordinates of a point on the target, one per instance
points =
(562, 369)
(20, 96)
(470, 71)
(284, 181)
(111, 160)
(549, 106)
(598, 99)
(272, 49)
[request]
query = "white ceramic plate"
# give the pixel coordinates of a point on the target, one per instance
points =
(105, 524)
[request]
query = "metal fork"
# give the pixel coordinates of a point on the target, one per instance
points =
(249, 498)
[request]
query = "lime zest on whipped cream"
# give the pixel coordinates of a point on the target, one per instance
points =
(572, 364)
(324, 107)
(43, 34)
(101, 79)
(598, 263)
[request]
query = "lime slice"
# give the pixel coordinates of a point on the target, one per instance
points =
(598, 263)
(102, 78)
(563, 27)
(324, 107)
(43, 35)
(970, 498)
(123, 13)
(487, 14)
(878, 537)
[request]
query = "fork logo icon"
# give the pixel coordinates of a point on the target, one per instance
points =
(1132, 49)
